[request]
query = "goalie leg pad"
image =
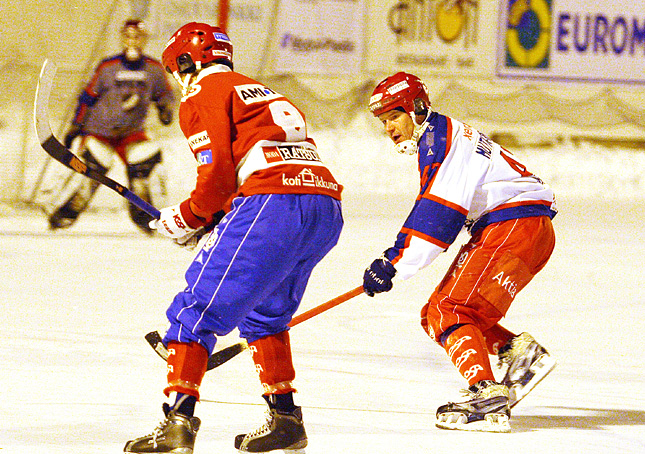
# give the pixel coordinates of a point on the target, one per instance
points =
(186, 368)
(147, 180)
(272, 358)
(77, 192)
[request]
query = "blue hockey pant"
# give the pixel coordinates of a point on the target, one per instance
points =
(252, 271)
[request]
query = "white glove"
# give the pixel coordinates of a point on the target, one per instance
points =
(191, 240)
(172, 224)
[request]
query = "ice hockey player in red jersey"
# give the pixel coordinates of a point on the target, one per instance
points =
(260, 172)
(110, 121)
(467, 180)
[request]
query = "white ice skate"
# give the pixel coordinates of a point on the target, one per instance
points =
(486, 411)
(528, 363)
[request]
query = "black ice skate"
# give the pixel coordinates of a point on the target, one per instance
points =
(176, 434)
(528, 363)
(284, 431)
(486, 411)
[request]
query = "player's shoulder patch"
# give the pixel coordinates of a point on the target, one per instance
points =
(204, 157)
(199, 140)
(252, 93)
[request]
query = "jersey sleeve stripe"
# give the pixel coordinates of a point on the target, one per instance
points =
(432, 219)
(428, 238)
(445, 203)
(521, 203)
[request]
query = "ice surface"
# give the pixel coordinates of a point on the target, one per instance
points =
(77, 375)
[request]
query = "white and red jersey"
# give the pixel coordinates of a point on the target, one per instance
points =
(248, 140)
(466, 180)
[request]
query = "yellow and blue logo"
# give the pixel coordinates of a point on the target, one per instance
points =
(528, 33)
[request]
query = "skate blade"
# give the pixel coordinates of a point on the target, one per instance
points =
(494, 422)
(541, 368)
(286, 451)
(295, 449)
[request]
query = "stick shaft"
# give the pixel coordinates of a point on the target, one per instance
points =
(220, 357)
(326, 306)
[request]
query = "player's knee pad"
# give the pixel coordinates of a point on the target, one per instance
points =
(272, 358)
(143, 154)
(148, 178)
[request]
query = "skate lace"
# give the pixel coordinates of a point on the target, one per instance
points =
(264, 428)
(491, 390)
(468, 393)
(519, 344)
(504, 358)
(158, 432)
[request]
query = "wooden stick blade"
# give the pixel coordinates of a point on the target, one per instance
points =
(41, 102)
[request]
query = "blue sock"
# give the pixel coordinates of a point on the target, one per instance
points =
(185, 404)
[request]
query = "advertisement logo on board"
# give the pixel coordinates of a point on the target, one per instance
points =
(421, 20)
(528, 33)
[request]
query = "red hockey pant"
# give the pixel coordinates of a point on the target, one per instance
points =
(488, 272)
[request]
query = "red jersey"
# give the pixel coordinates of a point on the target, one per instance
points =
(248, 140)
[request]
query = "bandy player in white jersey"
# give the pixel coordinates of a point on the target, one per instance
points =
(260, 173)
(467, 180)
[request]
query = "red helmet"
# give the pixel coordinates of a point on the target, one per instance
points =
(194, 45)
(399, 90)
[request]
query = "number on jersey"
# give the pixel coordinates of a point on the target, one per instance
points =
(289, 119)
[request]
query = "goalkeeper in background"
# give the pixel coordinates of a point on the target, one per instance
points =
(109, 121)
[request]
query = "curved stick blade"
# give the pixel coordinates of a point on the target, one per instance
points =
(41, 103)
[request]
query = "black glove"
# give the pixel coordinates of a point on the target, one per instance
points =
(165, 115)
(378, 277)
(73, 132)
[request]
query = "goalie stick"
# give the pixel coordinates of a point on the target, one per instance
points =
(220, 357)
(60, 153)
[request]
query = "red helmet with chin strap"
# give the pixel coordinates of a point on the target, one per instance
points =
(398, 91)
(193, 46)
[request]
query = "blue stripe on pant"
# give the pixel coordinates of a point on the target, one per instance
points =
(252, 271)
